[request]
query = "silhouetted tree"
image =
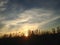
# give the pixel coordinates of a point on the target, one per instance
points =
(58, 30)
(5, 35)
(32, 33)
(29, 32)
(39, 32)
(53, 30)
(36, 31)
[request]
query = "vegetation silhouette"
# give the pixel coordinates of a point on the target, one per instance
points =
(33, 39)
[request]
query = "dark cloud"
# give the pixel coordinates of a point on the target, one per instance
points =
(36, 3)
(16, 5)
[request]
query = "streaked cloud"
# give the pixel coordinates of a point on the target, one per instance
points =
(30, 18)
(21, 14)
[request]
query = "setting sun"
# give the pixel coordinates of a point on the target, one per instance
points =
(26, 34)
(26, 28)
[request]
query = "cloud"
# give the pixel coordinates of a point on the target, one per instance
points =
(3, 4)
(38, 15)
(52, 19)
(15, 6)
(20, 14)
(32, 19)
(15, 21)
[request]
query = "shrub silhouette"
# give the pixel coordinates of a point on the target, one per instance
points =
(45, 39)
(53, 30)
(58, 30)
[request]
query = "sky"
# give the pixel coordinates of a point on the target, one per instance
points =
(19, 15)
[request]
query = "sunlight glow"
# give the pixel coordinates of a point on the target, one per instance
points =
(26, 34)
(28, 27)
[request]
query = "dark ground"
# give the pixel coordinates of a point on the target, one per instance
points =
(46, 39)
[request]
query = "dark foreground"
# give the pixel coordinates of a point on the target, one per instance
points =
(46, 39)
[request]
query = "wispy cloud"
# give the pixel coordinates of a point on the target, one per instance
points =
(3, 5)
(50, 20)
(20, 14)
(30, 19)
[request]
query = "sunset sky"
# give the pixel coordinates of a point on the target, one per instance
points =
(19, 15)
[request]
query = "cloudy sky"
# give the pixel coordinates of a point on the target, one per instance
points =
(17, 15)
